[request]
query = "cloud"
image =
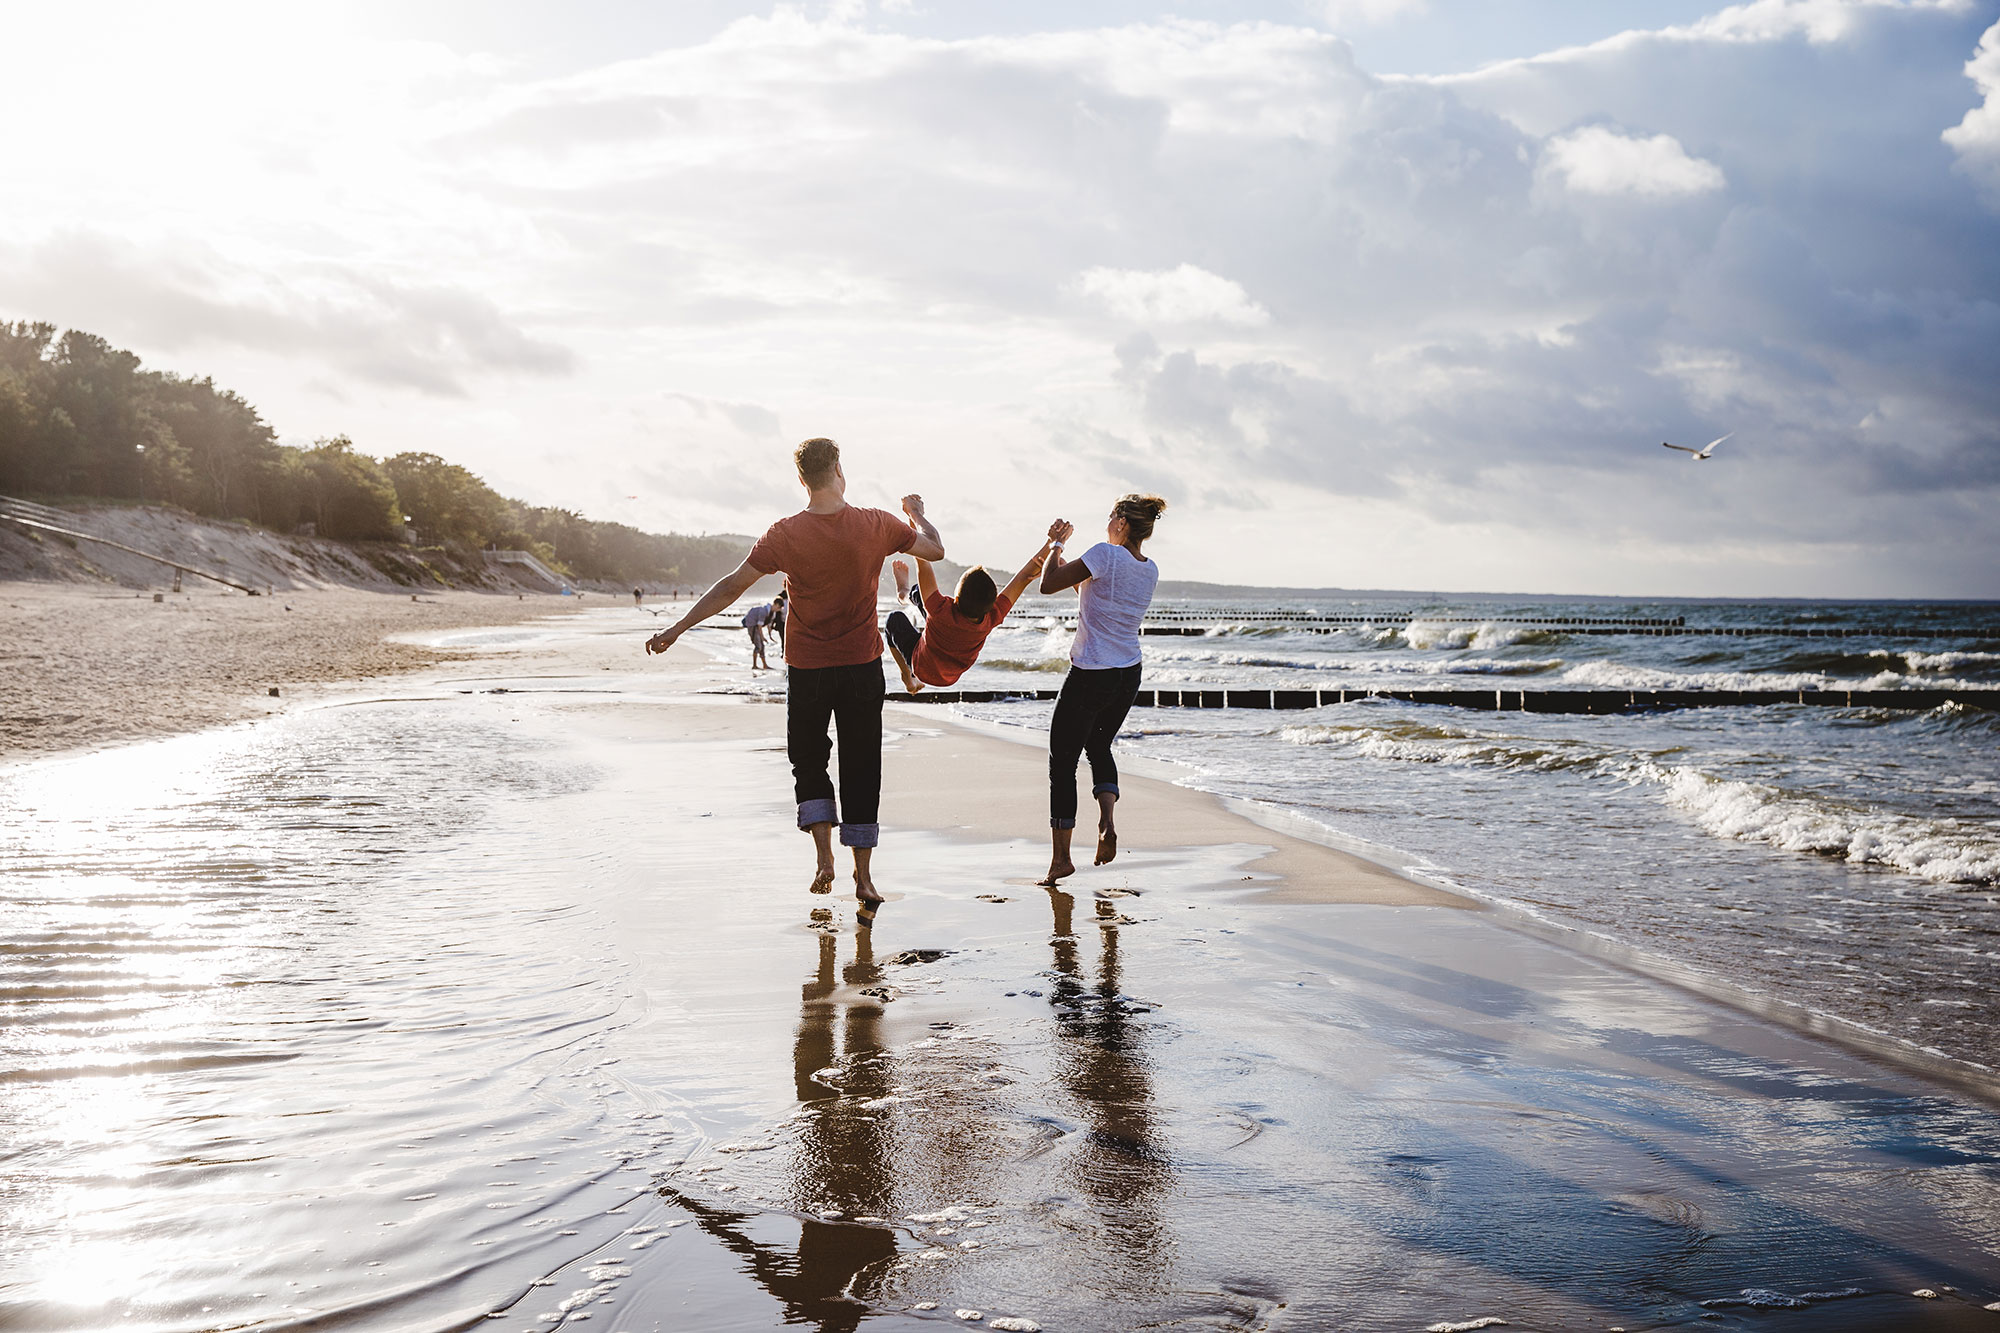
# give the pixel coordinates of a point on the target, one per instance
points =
(1183, 295)
(749, 418)
(1976, 139)
(1222, 261)
(417, 335)
(1596, 160)
(1342, 15)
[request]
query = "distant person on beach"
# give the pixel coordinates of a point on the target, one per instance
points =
(955, 627)
(778, 619)
(1115, 584)
(754, 620)
(635, 597)
(831, 554)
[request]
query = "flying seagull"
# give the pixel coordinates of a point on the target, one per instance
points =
(1699, 454)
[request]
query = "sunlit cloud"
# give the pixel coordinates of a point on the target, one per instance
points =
(1595, 160)
(1183, 295)
(1469, 304)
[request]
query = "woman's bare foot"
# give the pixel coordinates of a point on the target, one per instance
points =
(1059, 863)
(1107, 828)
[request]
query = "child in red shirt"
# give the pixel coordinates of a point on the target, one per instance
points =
(955, 627)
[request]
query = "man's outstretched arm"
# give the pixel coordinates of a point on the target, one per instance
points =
(726, 590)
(928, 545)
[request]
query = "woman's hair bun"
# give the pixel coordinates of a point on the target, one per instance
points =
(1148, 507)
(1139, 512)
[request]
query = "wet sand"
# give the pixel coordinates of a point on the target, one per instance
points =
(87, 666)
(495, 993)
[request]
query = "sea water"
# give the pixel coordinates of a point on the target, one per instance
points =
(1843, 860)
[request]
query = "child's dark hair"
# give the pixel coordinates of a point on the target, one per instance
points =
(1139, 513)
(976, 593)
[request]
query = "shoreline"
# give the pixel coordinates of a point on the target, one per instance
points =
(379, 636)
(1964, 1076)
(91, 666)
(650, 1067)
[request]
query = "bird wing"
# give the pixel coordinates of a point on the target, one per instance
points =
(1683, 448)
(1711, 445)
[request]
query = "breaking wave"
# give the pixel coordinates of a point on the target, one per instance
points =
(1914, 661)
(1943, 850)
(1484, 637)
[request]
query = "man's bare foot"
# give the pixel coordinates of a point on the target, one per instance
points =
(1058, 870)
(910, 681)
(822, 836)
(1107, 846)
(868, 898)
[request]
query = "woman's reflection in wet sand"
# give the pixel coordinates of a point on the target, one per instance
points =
(1120, 1168)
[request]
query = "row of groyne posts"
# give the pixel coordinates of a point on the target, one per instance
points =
(1192, 623)
(1507, 701)
(1196, 625)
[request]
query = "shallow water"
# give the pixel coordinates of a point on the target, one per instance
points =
(423, 1010)
(1846, 861)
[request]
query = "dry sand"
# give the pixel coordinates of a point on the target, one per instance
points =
(88, 665)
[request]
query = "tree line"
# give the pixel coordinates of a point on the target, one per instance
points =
(82, 419)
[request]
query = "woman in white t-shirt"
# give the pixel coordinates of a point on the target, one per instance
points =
(1115, 585)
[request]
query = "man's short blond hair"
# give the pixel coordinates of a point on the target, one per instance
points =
(816, 459)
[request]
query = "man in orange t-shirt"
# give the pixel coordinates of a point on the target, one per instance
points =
(831, 554)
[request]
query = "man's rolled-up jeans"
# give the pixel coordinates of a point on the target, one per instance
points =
(850, 698)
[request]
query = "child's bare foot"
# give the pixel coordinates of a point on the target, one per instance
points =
(910, 681)
(902, 570)
(1058, 870)
(1107, 846)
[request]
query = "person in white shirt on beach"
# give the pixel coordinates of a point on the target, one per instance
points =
(1115, 583)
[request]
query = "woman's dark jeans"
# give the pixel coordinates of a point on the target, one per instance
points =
(851, 698)
(1089, 711)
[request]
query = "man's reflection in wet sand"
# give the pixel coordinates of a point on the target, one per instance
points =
(1106, 1184)
(842, 1159)
(1122, 1170)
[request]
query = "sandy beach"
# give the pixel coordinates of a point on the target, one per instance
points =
(493, 992)
(97, 665)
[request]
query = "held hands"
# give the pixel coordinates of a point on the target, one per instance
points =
(1061, 530)
(913, 505)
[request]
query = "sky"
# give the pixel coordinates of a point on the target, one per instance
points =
(1378, 293)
